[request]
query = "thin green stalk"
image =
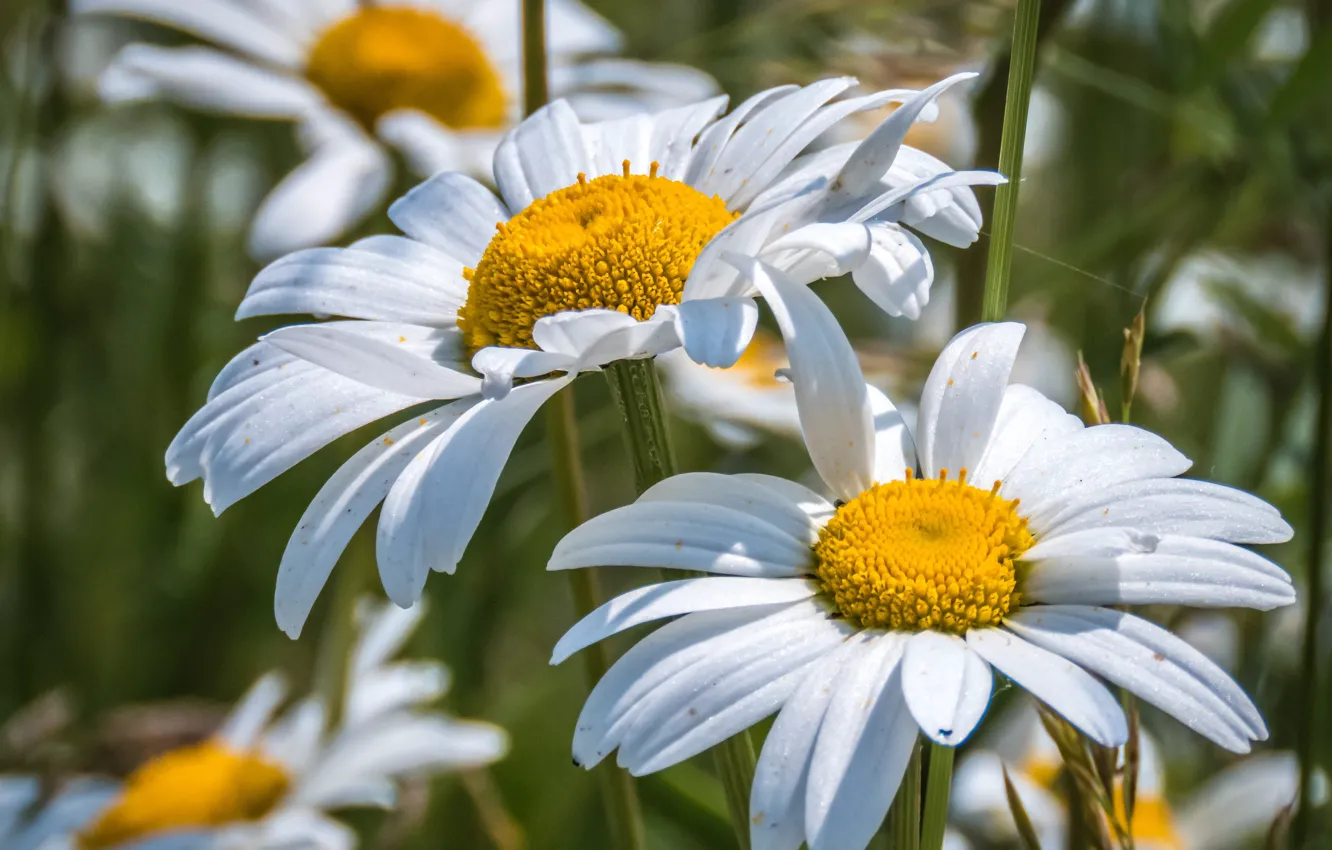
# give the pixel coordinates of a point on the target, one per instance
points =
(938, 785)
(1021, 71)
(904, 816)
(623, 810)
(1315, 539)
(637, 392)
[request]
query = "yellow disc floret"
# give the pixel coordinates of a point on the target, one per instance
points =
(383, 58)
(622, 243)
(205, 785)
(923, 554)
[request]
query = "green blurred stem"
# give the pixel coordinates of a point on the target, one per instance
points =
(1315, 539)
(938, 785)
(904, 815)
(1021, 72)
(623, 810)
(637, 393)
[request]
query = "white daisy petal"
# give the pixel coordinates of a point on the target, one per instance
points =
(400, 358)
(293, 741)
(249, 434)
(1088, 460)
(1168, 570)
(1241, 802)
(724, 695)
(500, 366)
(573, 332)
(305, 828)
(877, 152)
(716, 331)
(777, 796)
(713, 140)
(1171, 506)
(834, 405)
(673, 598)
(665, 138)
(342, 505)
(735, 492)
(687, 536)
(421, 288)
(962, 396)
(1149, 661)
(207, 79)
(898, 274)
(17, 793)
(671, 650)
(891, 205)
(542, 154)
(814, 505)
(247, 720)
(1027, 422)
(345, 177)
(218, 21)
(825, 249)
(864, 744)
(1057, 682)
(894, 450)
(946, 685)
(451, 212)
(428, 147)
(437, 502)
(637, 341)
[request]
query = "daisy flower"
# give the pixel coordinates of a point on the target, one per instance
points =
(1232, 807)
(580, 261)
(994, 537)
(259, 783)
(438, 80)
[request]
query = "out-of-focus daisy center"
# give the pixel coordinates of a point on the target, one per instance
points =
(758, 365)
(923, 554)
(619, 242)
(204, 785)
(385, 58)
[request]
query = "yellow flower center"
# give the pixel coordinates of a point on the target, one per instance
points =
(204, 785)
(622, 243)
(1153, 822)
(923, 554)
(758, 365)
(385, 58)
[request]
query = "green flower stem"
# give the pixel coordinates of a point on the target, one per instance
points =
(1021, 71)
(620, 796)
(904, 815)
(938, 784)
(637, 392)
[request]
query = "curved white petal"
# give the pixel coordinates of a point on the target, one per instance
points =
(834, 405)
(293, 741)
(665, 138)
(734, 492)
(723, 695)
(946, 685)
(684, 535)
(382, 631)
(716, 331)
(1171, 506)
(898, 273)
(1087, 460)
(543, 154)
(221, 22)
(1057, 682)
(1241, 802)
(345, 177)
(451, 212)
(260, 427)
(673, 598)
(961, 398)
(499, 367)
(1148, 570)
(342, 505)
(777, 795)
(894, 449)
(395, 687)
(864, 744)
(206, 79)
(246, 722)
(429, 147)
(1149, 661)
(628, 687)
(387, 279)
(637, 341)
(572, 332)
(1027, 422)
(306, 828)
(819, 250)
(437, 502)
(712, 141)
(401, 358)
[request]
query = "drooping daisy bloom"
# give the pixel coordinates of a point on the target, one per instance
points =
(264, 784)
(993, 537)
(440, 80)
(605, 244)
(1227, 811)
